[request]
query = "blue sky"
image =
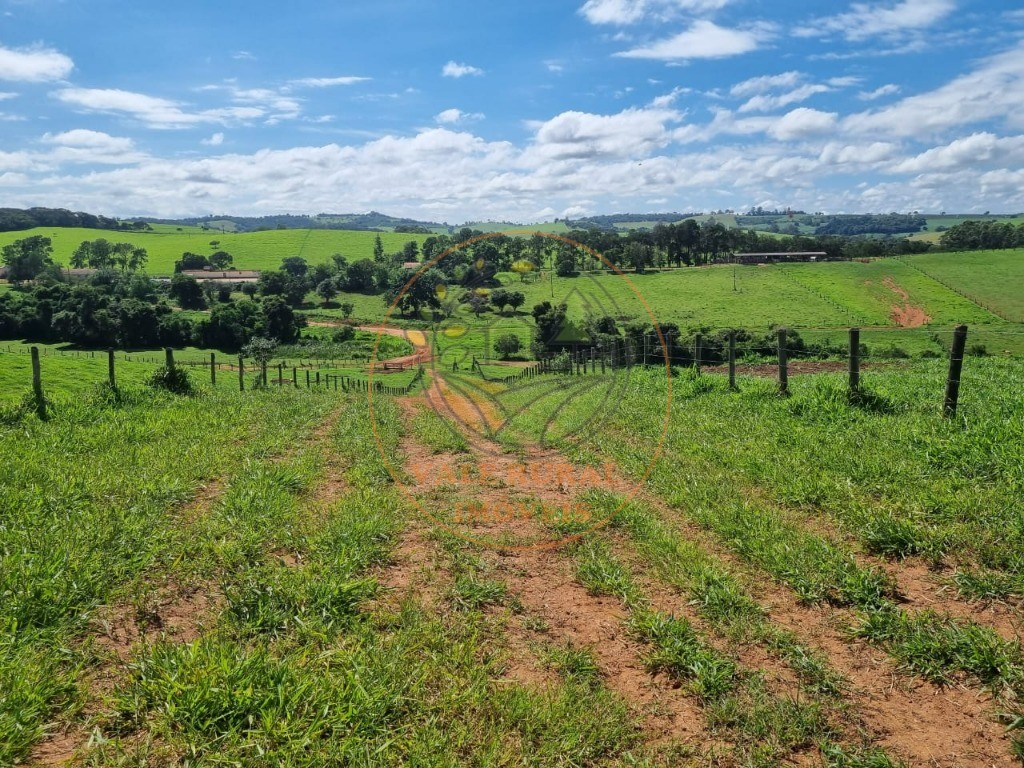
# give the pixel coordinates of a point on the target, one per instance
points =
(521, 111)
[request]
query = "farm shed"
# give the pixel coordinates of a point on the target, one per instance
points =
(783, 256)
(229, 276)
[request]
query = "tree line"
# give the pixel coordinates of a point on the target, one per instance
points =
(982, 236)
(16, 219)
(131, 311)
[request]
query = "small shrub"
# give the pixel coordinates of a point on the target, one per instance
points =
(343, 334)
(507, 345)
(977, 350)
(175, 380)
(892, 352)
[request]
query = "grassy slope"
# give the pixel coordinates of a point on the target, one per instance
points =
(862, 288)
(992, 278)
(292, 662)
(90, 499)
(252, 250)
(810, 297)
(927, 487)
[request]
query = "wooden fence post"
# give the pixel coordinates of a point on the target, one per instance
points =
(37, 376)
(854, 359)
(698, 348)
(263, 373)
(110, 368)
(169, 357)
(213, 369)
(307, 378)
(280, 375)
(956, 364)
(241, 374)
(783, 367)
(295, 377)
(318, 378)
(732, 360)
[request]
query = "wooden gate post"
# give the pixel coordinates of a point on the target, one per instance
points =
(241, 374)
(213, 369)
(110, 368)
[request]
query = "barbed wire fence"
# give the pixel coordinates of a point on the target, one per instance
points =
(719, 352)
(317, 377)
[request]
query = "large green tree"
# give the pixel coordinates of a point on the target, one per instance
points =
(27, 258)
(186, 290)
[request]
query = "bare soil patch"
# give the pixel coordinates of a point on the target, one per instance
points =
(905, 315)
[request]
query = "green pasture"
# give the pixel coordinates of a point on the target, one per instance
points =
(993, 279)
(251, 250)
(821, 300)
(869, 291)
(68, 372)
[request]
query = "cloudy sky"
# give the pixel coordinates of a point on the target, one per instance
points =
(458, 110)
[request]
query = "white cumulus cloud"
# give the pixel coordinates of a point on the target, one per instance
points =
(968, 152)
(454, 69)
(886, 90)
(993, 91)
(766, 83)
(802, 123)
(328, 82)
(452, 116)
(766, 102)
(865, 20)
(33, 65)
(703, 40)
(153, 111)
(622, 12)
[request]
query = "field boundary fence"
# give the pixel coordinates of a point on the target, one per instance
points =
(781, 357)
(703, 352)
(261, 370)
(153, 359)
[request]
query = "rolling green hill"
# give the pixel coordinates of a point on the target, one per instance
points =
(251, 250)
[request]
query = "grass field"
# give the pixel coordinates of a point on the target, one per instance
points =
(289, 577)
(990, 278)
(819, 300)
(67, 372)
(251, 250)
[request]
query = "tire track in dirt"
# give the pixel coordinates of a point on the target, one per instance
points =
(416, 570)
(543, 583)
(919, 585)
(945, 727)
